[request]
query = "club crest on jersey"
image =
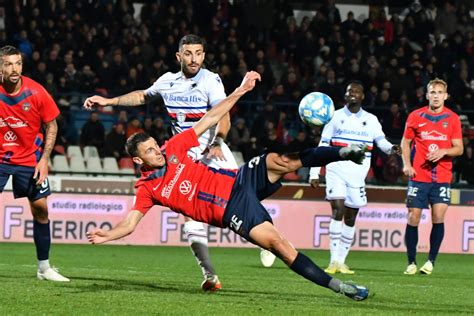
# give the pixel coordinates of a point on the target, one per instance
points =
(180, 117)
(173, 159)
(445, 124)
(26, 107)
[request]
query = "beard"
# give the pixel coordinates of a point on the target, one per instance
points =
(188, 72)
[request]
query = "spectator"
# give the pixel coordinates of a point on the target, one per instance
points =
(115, 142)
(394, 123)
(253, 149)
(134, 126)
(93, 133)
(392, 169)
(148, 125)
(269, 114)
(160, 131)
(239, 136)
(446, 19)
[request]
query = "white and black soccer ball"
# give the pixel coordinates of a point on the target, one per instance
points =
(316, 109)
(362, 293)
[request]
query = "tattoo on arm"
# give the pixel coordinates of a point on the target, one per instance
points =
(50, 138)
(132, 99)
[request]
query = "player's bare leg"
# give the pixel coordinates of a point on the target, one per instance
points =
(266, 236)
(42, 238)
(196, 235)
(438, 211)
(411, 238)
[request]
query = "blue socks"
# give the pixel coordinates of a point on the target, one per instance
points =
(42, 238)
(319, 156)
(310, 271)
(411, 241)
(436, 237)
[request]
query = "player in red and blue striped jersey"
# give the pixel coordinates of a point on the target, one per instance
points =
(188, 95)
(225, 199)
(431, 139)
(25, 107)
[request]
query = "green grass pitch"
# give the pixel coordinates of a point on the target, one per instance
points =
(132, 280)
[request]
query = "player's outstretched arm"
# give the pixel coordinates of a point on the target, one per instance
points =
(215, 149)
(216, 113)
(122, 229)
(130, 99)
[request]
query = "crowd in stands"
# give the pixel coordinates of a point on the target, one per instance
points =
(106, 47)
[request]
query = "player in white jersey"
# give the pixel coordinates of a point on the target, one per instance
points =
(188, 95)
(345, 181)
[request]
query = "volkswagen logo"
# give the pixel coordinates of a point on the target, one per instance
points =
(10, 136)
(433, 147)
(185, 187)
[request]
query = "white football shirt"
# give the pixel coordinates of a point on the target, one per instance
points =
(347, 128)
(187, 100)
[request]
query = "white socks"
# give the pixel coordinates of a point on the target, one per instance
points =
(340, 240)
(347, 236)
(43, 265)
(335, 230)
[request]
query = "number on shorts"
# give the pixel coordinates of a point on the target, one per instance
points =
(445, 192)
(44, 184)
(362, 192)
(254, 161)
(235, 223)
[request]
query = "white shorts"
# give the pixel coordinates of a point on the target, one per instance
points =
(338, 189)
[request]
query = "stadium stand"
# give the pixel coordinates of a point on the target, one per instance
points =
(94, 165)
(305, 46)
(60, 164)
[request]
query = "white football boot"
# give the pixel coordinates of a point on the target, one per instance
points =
(51, 274)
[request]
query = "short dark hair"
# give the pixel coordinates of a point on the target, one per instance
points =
(356, 82)
(131, 146)
(190, 39)
(9, 50)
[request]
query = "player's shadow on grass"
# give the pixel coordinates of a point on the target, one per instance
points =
(107, 284)
(260, 267)
(391, 271)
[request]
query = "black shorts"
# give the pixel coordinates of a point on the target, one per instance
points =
(23, 183)
(244, 210)
(423, 194)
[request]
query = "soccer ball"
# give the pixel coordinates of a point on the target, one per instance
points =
(316, 109)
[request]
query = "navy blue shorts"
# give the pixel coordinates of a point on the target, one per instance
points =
(23, 183)
(244, 210)
(423, 194)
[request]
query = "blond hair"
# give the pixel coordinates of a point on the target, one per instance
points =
(436, 81)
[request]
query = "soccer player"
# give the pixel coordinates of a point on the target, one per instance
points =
(345, 182)
(224, 198)
(188, 95)
(25, 107)
(431, 139)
